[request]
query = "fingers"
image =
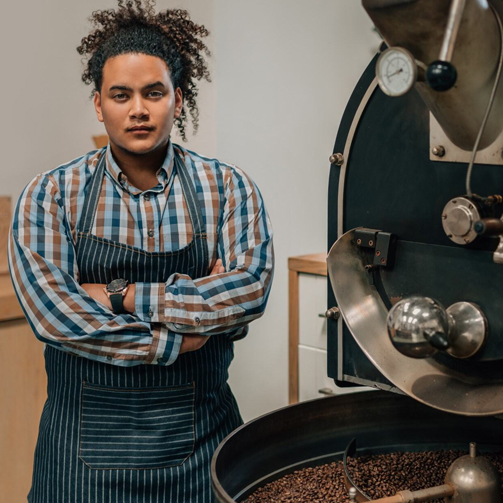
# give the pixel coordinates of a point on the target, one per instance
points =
(218, 268)
(192, 342)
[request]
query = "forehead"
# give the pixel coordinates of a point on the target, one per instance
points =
(135, 70)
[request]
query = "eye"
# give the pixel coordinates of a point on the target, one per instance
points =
(120, 96)
(155, 94)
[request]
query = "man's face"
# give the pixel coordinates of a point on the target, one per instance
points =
(137, 103)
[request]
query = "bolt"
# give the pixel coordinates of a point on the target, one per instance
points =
(358, 241)
(454, 201)
(438, 151)
(383, 261)
(467, 240)
(337, 159)
(371, 243)
(444, 216)
(470, 206)
(449, 235)
(378, 253)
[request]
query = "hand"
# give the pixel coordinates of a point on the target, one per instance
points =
(218, 268)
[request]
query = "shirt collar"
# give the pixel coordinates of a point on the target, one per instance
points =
(163, 174)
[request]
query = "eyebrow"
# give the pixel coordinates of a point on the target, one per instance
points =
(144, 88)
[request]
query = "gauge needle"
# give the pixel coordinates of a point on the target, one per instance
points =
(396, 73)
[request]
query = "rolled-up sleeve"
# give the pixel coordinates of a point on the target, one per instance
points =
(45, 275)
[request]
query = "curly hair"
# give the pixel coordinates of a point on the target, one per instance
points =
(171, 35)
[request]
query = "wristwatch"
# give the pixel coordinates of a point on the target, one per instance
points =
(116, 291)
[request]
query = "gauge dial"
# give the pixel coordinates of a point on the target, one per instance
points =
(396, 71)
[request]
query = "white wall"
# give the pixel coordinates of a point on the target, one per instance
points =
(286, 69)
(283, 71)
(48, 116)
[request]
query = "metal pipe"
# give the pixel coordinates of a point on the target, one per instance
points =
(451, 32)
(431, 493)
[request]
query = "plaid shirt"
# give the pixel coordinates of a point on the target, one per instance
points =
(45, 274)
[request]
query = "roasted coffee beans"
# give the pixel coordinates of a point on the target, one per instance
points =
(378, 476)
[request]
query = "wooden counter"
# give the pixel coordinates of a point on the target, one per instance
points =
(24, 382)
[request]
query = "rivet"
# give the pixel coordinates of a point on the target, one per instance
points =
(438, 151)
(378, 253)
(371, 243)
(358, 241)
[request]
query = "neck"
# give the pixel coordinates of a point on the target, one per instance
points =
(140, 169)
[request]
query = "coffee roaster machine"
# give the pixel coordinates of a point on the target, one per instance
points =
(415, 263)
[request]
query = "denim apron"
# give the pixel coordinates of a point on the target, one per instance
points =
(145, 434)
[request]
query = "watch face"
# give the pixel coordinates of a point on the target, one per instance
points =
(117, 285)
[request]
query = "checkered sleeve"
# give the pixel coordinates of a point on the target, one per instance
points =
(45, 276)
(227, 302)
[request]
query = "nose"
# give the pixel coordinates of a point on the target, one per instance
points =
(138, 108)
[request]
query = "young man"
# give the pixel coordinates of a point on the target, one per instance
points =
(138, 265)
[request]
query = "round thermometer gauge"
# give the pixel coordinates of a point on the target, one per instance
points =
(396, 71)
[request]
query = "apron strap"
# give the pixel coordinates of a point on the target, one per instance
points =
(194, 208)
(91, 202)
(190, 195)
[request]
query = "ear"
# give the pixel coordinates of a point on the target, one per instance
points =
(178, 102)
(97, 106)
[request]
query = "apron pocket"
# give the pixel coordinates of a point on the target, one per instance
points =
(136, 428)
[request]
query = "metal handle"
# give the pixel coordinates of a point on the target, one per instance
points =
(326, 391)
(331, 314)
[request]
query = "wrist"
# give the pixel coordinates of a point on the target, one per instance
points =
(129, 299)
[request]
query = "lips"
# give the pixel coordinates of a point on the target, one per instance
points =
(140, 129)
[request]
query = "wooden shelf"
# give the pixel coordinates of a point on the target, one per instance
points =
(315, 263)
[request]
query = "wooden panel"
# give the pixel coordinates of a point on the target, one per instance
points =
(9, 305)
(22, 397)
(293, 337)
(100, 141)
(315, 263)
(5, 220)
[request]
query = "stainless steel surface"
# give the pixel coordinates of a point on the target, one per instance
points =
(425, 380)
(432, 493)
(438, 151)
(419, 27)
(498, 253)
(475, 479)
(458, 218)
(492, 154)
(360, 495)
(469, 330)
(418, 327)
(337, 159)
(451, 32)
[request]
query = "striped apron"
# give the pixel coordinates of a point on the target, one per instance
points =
(112, 434)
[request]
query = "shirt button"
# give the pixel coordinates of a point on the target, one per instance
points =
(197, 320)
(150, 313)
(146, 197)
(160, 360)
(109, 358)
(150, 233)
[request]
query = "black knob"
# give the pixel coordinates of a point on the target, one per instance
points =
(441, 75)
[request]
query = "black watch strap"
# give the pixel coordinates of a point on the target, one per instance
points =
(116, 299)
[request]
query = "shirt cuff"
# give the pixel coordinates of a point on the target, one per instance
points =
(165, 345)
(149, 302)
